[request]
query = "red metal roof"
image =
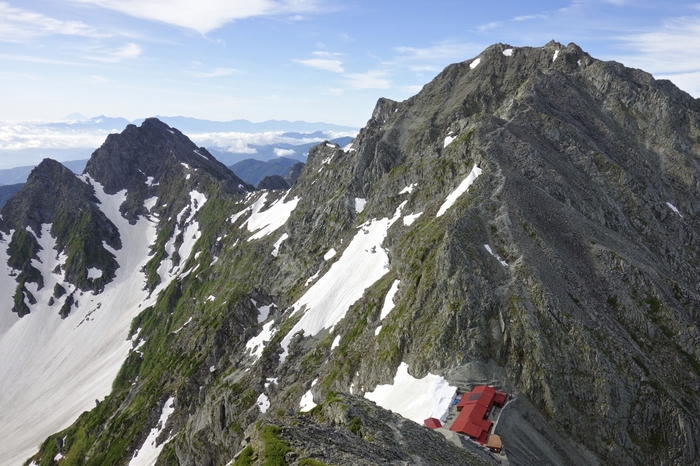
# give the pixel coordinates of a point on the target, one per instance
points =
(432, 423)
(474, 407)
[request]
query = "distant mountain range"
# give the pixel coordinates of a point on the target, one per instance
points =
(76, 137)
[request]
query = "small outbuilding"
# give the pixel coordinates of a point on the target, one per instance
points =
(432, 423)
(494, 443)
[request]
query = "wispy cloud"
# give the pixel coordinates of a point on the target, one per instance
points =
(672, 48)
(17, 24)
(215, 73)
(373, 79)
(489, 26)
(530, 17)
(327, 61)
(672, 52)
(434, 58)
(206, 15)
(128, 51)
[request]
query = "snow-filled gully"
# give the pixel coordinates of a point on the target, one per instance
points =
(53, 369)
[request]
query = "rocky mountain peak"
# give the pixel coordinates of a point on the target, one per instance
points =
(141, 157)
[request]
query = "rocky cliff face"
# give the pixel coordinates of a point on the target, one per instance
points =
(528, 220)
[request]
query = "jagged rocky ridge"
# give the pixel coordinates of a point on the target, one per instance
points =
(566, 275)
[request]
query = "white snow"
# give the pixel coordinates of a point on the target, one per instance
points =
(336, 342)
(92, 272)
(211, 298)
(278, 243)
(408, 189)
(330, 254)
(508, 52)
(256, 345)
(46, 387)
(389, 300)
(59, 456)
(149, 181)
(362, 263)
(185, 165)
(461, 189)
(488, 248)
(377, 330)
(306, 403)
(312, 278)
(196, 151)
(191, 233)
(264, 311)
(183, 325)
(415, 399)
(409, 219)
(474, 64)
(147, 455)
(263, 403)
(348, 148)
(556, 54)
(674, 208)
(448, 140)
(263, 223)
(360, 204)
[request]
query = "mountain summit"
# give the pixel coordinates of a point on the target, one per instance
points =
(528, 221)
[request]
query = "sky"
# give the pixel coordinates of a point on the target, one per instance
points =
(312, 60)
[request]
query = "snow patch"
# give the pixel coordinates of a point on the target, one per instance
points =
(377, 330)
(389, 300)
(349, 148)
(329, 255)
(263, 403)
(336, 342)
(264, 311)
(474, 64)
(674, 208)
(461, 189)
(93, 273)
(508, 52)
(415, 399)
(306, 403)
(362, 263)
(488, 248)
(312, 278)
(448, 141)
(360, 204)
(278, 243)
(408, 189)
(556, 54)
(409, 219)
(263, 223)
(256, 345)
(148, 454)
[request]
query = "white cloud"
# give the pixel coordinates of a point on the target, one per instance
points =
(205, 15)
(327, 61)
(283, 152)
(489, 26)
(373, 79)
(529, 17)
(672, 48)
(241, 142)
(17, 24)
(216, 72)
(17, 136)
(128, 51)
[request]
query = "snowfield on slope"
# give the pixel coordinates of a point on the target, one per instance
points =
(46, 386)
(415, 399)
(362, 263)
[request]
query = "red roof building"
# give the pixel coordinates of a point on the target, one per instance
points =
(474, 409)
(432, 423)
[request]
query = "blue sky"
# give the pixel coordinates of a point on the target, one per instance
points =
(313, 60)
